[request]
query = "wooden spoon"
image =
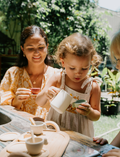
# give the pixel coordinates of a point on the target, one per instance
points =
(32, 121)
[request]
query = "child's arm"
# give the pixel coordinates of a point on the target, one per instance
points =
(50, 90)
(92, 110)
(95, 109)
(116, 141)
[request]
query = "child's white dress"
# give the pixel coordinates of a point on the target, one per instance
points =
(72, 121)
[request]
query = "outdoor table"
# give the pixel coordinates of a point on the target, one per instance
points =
(74, 136)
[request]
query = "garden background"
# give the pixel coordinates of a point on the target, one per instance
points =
(59, 18)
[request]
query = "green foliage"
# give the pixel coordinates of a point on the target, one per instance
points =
(59, 19)
(66, 17)
(112, 79)
(113, 82)
(20, 11)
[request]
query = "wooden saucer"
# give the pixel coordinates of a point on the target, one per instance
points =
(18, 147)
(9, 136)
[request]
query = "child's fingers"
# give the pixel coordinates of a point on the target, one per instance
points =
(112, 153)
(52, 92)
(84, 109)
(85, 104)
(81, 111)
(81, 106)
(104, 141)
(95, 139)
(100, 140)
(49, 96)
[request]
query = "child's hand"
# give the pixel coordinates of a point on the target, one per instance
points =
(100, 140)
(52, 92)
(112, 153)
(84, 109)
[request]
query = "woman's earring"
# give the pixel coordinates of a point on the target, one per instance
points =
(63, 69)
(23, 55)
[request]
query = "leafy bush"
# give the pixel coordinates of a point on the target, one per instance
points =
(59, 19)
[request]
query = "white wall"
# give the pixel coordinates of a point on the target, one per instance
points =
(113, 19)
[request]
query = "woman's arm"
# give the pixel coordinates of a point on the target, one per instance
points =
(10, 93)
(7, 86)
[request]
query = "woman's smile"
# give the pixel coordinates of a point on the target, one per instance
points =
(37, 57)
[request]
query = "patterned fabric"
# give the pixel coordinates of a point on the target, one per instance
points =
(16, 77)
(71, 121)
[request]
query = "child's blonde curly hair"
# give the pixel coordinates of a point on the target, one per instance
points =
(79, 45)
(115, 47)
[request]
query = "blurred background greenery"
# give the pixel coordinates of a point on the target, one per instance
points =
(105, 124)
(59, 18)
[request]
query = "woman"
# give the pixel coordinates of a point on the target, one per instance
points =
(32, 70)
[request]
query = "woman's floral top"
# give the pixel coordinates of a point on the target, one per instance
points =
(16, 77)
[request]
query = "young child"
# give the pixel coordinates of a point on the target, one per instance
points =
(76, 54)
(115, 142)
(115, 57)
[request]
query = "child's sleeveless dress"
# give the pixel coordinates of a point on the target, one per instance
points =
(72, 121)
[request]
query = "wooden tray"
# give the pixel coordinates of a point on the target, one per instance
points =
(57, 143)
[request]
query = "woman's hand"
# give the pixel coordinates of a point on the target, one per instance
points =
(84, 109)
(100, 140)
(52, 92)
(22, 94)
(112, 153)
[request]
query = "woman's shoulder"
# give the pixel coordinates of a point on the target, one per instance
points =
(14, 70)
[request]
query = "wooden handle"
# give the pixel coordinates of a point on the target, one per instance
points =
(32, 121)
(38, 119)
(57, 129)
